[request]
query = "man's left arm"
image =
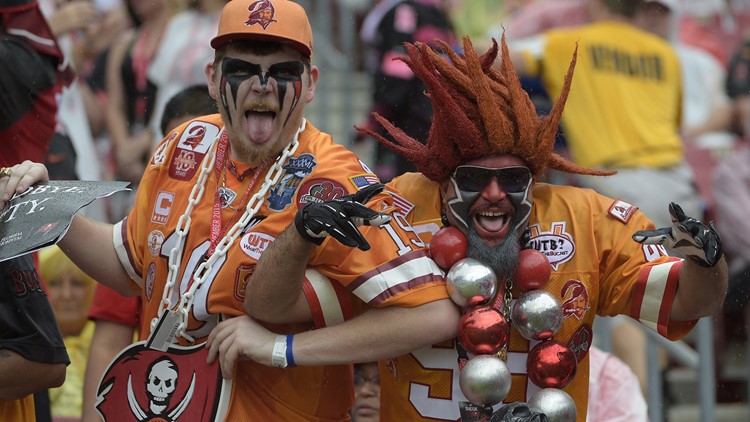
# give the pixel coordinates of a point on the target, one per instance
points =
(274, 292)
(700, 291)
(704, 275)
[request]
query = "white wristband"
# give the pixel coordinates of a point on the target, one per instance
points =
(278, 357)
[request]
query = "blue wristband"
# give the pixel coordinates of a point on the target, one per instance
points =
(289, 353)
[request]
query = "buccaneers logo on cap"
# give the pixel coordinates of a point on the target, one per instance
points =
(261, 12)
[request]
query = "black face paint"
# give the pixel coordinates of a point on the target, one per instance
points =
(235, 71)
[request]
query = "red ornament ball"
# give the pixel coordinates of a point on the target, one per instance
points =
(448, 246)
(483, 330)
(533, 270)
(551, 364)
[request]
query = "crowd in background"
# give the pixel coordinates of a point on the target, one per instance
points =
(130, 57)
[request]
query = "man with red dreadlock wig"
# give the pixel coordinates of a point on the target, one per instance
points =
(478, 168)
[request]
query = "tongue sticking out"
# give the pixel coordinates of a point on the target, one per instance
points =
(259, 126)
(490, 224)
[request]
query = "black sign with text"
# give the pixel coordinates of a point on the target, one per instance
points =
(40, 216)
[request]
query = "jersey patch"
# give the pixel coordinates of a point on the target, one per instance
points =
(241, 277)
(254, 243)
(403, 206)
(190, 150)
(295, 170)
(150, 277)
(319, 190)
(154, 241)
(557, 245)
(622, 211)
(162, 207)
(363, 180)
(160, 156)
(575, 299)
(581, 341)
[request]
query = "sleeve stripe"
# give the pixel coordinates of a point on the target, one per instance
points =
(327, 305)
(120, 238)
(404, 273)
(655, 290)
(312, 300)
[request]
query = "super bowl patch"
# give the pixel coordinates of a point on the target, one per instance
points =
(295, 170)
(320, 190)
(193, 145)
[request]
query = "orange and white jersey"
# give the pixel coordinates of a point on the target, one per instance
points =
(395, 272)
(597, 269)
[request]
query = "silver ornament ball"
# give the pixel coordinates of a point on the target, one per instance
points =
(556, 404)
(536, 314)
(470, 283)
(485, 380)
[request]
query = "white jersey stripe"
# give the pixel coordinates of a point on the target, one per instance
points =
(382, 282)
(123, 254)
(654, 293)
(329, 302)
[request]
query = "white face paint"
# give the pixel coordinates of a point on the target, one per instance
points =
(492, 212)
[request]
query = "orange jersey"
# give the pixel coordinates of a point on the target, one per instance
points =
(318, 170)
(597, 269)
(21, 410)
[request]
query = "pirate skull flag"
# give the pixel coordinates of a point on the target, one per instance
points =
(143, 384)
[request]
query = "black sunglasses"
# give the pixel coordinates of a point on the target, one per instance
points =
(475, 179)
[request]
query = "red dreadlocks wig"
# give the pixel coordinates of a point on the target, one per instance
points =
(479, 110)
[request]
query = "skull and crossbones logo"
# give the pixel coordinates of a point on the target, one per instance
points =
(161, 384)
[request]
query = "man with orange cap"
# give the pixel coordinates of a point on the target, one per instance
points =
(216, 193)
(478, 171)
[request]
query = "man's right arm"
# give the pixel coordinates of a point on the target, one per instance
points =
(36, 376)
(90, 245)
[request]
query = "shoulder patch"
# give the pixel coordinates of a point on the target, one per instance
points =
(403, 206)
(622, 211)
(295, 170)
(319, 190)
(193, 145)
(363, 180)
(161, 152)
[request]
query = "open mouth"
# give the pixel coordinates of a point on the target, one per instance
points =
(492, 221)
(260, 125)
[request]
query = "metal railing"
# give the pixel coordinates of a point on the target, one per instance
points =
(701, 359)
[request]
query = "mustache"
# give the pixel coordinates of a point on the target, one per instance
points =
(263, 104)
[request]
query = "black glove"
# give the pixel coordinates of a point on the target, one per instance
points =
(687, 235)
(340, 218)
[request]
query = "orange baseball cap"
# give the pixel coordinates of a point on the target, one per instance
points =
(265, 20)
